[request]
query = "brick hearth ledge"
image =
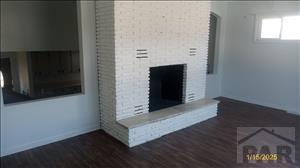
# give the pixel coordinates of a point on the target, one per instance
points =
(149, 126)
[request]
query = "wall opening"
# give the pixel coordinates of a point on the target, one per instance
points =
(40, 61)
(212, 43)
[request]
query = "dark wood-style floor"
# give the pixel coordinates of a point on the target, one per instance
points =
(208, 144)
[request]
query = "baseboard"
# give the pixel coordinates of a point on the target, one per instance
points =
(262, 103)
(45, 141)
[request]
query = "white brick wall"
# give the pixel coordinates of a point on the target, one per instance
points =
(169, 32)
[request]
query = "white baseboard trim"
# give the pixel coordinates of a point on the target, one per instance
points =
(262, 103)
(48, 140)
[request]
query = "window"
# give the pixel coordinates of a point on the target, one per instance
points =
(39, 59)
(279, 28)
(212, 42)
(291, 28)
(271, 28)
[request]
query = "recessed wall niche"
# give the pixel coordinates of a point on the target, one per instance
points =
(39, 50)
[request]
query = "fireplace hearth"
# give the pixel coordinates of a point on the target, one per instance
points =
(166, 86)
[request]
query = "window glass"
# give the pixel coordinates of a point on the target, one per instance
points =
(291, 28)
(270, 28)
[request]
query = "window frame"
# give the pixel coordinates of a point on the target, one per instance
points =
(258, 29)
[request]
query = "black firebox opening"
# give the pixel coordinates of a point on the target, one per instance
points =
(166, 84)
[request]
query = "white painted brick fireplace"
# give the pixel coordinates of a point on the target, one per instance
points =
(133, 36)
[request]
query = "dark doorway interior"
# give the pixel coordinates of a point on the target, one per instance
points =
(166, 84)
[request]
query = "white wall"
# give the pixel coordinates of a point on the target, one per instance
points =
(32, 124)
(38, 26)
(260, 73)
(213, 81)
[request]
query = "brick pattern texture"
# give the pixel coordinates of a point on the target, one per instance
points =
(133, 36)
